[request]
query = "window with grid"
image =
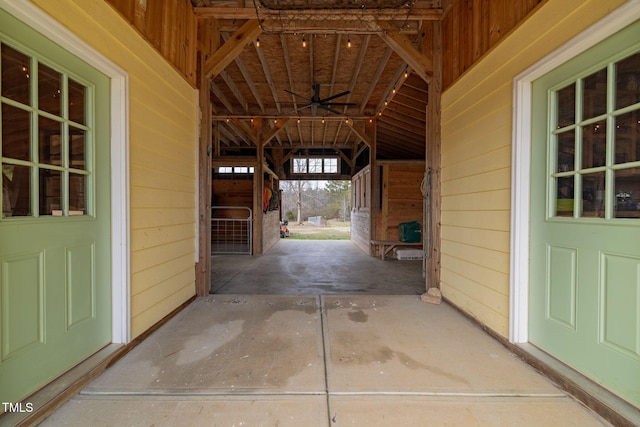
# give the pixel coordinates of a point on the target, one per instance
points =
(46, 138)
(595, 143)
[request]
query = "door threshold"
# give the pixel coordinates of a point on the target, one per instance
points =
(46, 400)
(607, 404)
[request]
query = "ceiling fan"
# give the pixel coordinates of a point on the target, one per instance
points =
(315, 102)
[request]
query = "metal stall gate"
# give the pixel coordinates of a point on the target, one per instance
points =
(231, 230)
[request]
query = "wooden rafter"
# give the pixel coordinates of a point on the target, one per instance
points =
(247, 78)
(420, 64)
(222, 57)
(234, 89)
(267, 75)
(321, 15)
(218, 94)
(274, 131)
(374, 82)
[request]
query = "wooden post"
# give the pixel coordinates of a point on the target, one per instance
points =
(203, 266)
(374, 205)
(433, 159)
(258, 189)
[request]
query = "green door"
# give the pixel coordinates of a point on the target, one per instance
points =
(55, 284)
(585, 214)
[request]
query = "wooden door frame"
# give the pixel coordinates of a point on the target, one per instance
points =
(41, 22)
(521, 157)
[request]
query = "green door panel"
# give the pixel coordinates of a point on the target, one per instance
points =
(585, 267)
(55, 266)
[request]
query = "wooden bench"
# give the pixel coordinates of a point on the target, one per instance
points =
(387, 246)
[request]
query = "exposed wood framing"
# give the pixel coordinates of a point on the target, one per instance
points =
(420, 64)
(434, 161)
(228, 52)
(203, 266)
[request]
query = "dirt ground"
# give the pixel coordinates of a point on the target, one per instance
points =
(334, 230)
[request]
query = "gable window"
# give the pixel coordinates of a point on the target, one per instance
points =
(315, 165)
(595, 171)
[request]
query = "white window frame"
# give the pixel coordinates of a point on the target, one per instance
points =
(521, 158)
(35, 18)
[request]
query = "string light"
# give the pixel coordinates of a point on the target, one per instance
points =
(304, 42)
(406, 73)
(348, 41)
(258, 42)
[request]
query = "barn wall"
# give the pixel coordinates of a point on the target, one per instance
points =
(401, 197)
(163, 141)
(270, 230)
(171, 28)
(472, 27)
(476, 159)
(361, 209)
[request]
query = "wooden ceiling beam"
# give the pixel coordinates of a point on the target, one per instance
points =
(376, 78)
(287, 63)
(419, 63)
(234, 89)
(228, 52)
(274, 131)
(361, 133)
(396, 82)
(326, 16)
(247, 78)
(267, 75)
(246, 130)
(218, 94)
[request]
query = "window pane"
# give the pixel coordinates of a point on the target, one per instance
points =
(594, 144)
(564, 196)
(628, 81)
(49, 90)
(566, 151)
(77, 102)
(594, 96)
(567, 106)
(315, 165)
(49, 141)
(627, 138)
(16, 71)
(16, 133)
(299, 165)
(77, 194)
(627, 191)
(77, 143)
(331, 165)
(16, 190)
(50, 192)
(593, 195)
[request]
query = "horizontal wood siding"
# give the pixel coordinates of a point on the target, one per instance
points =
(162, 151)
(401, 197)
(476, 158)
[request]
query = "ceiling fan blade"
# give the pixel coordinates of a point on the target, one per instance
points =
(324, 101)
(324, 107)
(299, 109)
(295, 94)
(338, 103)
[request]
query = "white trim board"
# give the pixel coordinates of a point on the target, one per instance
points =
(521, 157)
(35, 18)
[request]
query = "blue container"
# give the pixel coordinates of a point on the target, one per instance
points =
(410, 232)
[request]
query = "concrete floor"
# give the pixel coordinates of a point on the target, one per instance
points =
(319, 358)
(313, 267)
